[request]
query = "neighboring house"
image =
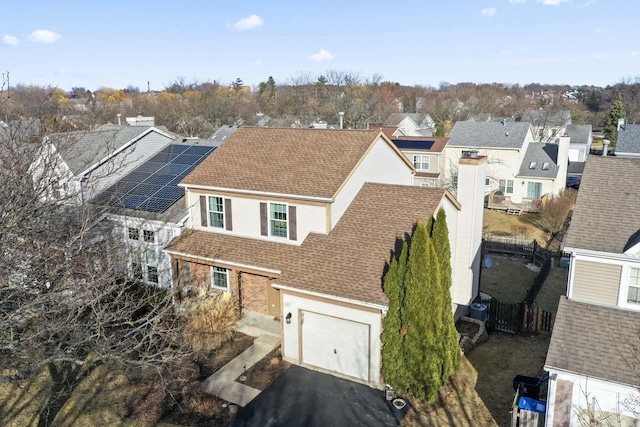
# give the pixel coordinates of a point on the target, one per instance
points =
(427, 156)
(593, 353)
(85, 163)
(544, 169)
(411, 124)
(548, 126)
(307, 235)
(23, 130)
(580, 142)
(146, 208)
(628, 143)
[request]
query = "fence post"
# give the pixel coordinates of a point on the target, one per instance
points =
(535, 249)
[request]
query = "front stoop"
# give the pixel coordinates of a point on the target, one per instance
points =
(258, 324)
(223, 382)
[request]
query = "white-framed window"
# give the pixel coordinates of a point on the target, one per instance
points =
(506, 186)
(278, 222)
(534, 190)
(149, 236)
(136, 263)
(215, 208)
(421, 162)
(152, 265)
(425, 184)
(220, 278)
(487, 181)
(134, 233)
(633, 293)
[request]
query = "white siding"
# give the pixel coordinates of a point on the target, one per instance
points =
(245, 214)
(382, 164)
(123, 163)
(452, 224)
(291, 332)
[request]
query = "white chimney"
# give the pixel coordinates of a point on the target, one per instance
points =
(605, 146)
(621, 123)
(563, 162)
(467, 253)
(341, 114)
(119, 117)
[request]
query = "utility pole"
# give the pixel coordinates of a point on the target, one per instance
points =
(148, 87)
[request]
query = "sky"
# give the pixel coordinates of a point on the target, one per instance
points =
(91, 44)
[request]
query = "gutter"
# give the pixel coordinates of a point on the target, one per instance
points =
(261, 193)
(221, 261)
(380, 307)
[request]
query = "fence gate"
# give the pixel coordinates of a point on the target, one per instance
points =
(503, 317)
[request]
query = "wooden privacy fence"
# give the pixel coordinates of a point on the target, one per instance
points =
(516, 317)
(523, 417)
(510, 245)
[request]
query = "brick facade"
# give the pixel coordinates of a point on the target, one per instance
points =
(253, 292)
(563, 406)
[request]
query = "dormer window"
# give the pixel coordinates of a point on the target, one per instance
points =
(545, 166)
(421, 162)
(633, 294)
(533, 165)
(278, 219)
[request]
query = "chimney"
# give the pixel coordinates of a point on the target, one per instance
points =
(341, 114)
(468, 237)
(605, 146)
(621, 124)
(562, 162)
(119, 121)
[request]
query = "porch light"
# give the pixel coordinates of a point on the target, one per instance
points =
(288, 318)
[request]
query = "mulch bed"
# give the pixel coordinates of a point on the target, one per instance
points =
(211, 362)
(265, 371)
(467, 328)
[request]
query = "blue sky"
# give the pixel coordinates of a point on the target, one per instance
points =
(119, 43)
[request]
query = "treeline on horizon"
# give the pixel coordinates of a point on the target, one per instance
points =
(193, 108)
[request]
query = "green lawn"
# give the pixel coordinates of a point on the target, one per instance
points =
(507, 280)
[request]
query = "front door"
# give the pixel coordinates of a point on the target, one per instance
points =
(273, 300)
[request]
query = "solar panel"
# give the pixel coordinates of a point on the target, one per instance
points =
(152, 186)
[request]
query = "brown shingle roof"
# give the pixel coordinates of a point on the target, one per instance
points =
(439, 143)
(304, 162)
(234, 249)
(351, 260)
(595, 341)
(604, 218)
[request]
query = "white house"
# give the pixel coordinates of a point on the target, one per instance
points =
(581, 137)
(411, 124)
(84, 163)
(548, 125)
(593, 353)
(428, 157)
(518, 167)
(300, 224)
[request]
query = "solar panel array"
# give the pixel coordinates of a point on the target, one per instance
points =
(153, 186)
(406, 144)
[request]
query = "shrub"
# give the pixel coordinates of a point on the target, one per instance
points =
(554, 213)
(210, 322)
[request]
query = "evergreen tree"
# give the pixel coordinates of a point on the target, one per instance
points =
(450, 347)
(423, 318)
(611, 120)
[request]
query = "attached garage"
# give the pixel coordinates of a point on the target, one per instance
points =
(335, 344)
(332, 335)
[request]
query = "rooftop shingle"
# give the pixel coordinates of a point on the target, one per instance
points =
(595, 341)
(628, 140)
(538, 156)
(260, 159)
(604, 217)
(489, 135)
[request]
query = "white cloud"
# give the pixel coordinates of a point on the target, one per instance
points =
(44, 36)
(490, 11)
(552, 2)
(635, 53)
(248, 23)
(517, 1)
(10, 40)
(322, 55)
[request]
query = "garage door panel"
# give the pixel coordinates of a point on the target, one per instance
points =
(336, 344)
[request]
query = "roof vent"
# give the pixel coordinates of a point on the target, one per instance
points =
(533, 165)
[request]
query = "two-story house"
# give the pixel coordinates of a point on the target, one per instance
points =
(520, 169)
(85, 163)
(548, 125)
(301, 224)
(593, 354)
(427, 156)
(146, 208)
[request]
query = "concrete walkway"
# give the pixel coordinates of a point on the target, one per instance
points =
(223, 382)
(257, 324)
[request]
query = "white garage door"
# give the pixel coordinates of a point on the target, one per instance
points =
(335, 344)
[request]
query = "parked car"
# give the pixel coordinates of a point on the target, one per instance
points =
(573, 182)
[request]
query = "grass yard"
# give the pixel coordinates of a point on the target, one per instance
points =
(554, 287)
(499, 223)
(507, 280)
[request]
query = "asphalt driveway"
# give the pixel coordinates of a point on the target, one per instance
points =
(301, 397)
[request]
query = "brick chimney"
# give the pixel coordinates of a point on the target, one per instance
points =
(467, 253)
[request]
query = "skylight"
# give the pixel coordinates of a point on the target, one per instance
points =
(533, 165)
(545, 166)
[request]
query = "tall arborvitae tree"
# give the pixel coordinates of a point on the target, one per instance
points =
(450, 347)
(423, 317)
(611, 120)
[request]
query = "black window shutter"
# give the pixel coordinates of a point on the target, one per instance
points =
(228, 221)
(203, 211)
(293, 226)
(264, 224)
